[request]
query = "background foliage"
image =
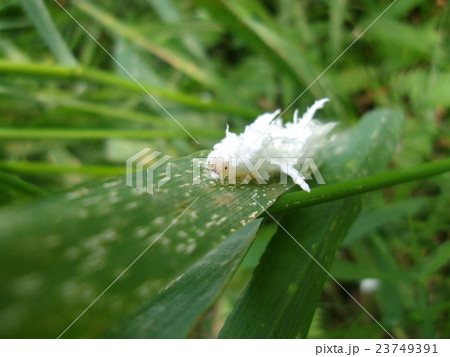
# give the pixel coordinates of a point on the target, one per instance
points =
(71, 116)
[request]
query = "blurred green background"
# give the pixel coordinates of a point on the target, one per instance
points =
(70, 114)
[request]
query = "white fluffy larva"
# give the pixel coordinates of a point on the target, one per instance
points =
(272, 141)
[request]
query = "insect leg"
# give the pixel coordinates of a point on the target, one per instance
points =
(298, 178)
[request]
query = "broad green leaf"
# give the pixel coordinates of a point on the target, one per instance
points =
(61, 252)
(38, 14)
(288, 278)
(172, 312)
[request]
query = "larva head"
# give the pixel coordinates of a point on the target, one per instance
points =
(218, 164)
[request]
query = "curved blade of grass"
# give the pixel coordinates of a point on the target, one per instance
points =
(107, 78)
(437, 260)
(12, 187)
(59, 253)
(337, 18)
(175, 59)
(174, 311)
(372, 220)
(105, 111)
(170, 13)
(321, 194)
(131, 57)
(250, 22)
(413, 41)
(39, 16)
(287, 276)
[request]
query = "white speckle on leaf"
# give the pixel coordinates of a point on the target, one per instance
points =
(191, 246)
(51, 241)
(158, 221)
(27, 285)
(164, 241)
(142, 231)
(74, 292)
(151, 239)
(223, 219)
(72, 253)
(144, 291)
(113, 196)
(77, 194)
(180, 247)
(95, 260)
(111, 184)
(131, 205)
(182, 234)
(92, 200)
(83, 213)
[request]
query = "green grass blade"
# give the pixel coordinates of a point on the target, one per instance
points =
(94, 134)
(293, 201)
(289, 279)
(104, 111)
(172, 312)
(12, 186)
(175, 59)
(437, 260)
(169, 13)
(106, 78)
(38, 14)
(370, 221)
(336, 32)
(43, 168)
(390, 302)
(249, 21)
